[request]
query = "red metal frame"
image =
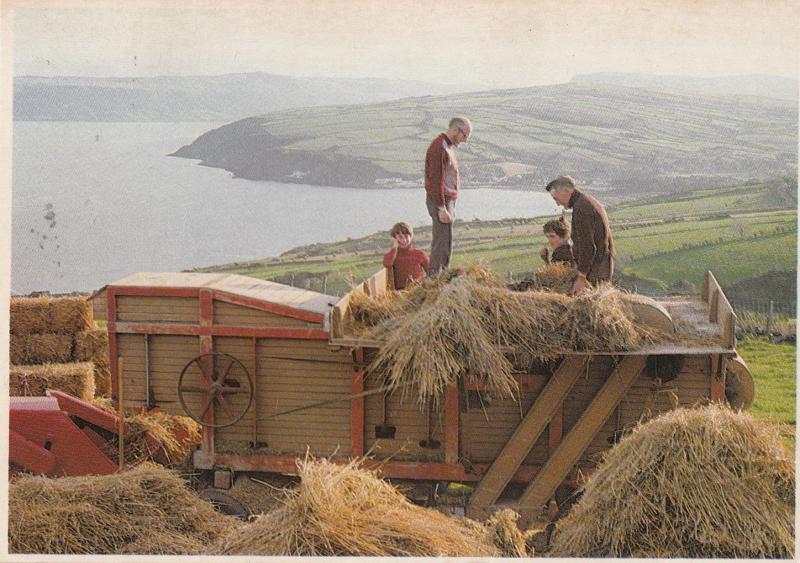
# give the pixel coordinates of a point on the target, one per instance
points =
(357, 406)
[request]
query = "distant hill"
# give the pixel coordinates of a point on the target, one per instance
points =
(197, 98)
(631, 140)
(750, 85)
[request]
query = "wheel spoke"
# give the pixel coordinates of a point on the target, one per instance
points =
(222, 377)
(229, 390)
(226, 407)
(193, 389)
(208, 378)
(205, 408)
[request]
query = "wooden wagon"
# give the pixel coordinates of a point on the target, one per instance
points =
(271, 373)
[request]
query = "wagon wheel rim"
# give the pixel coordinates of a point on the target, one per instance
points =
(214, 388)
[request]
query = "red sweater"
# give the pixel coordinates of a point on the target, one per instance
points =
(409, 264)
(436, 163)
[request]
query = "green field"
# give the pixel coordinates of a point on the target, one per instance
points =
(774, 372)
(738, 236)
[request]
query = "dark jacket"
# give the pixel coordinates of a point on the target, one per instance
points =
(563, 254)
(592, 243)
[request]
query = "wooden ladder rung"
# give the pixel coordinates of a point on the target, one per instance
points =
(580, 436)
(527, 432)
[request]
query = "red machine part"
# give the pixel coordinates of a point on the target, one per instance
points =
(43, 439)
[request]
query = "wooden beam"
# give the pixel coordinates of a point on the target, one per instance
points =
(527, 432)
(451, 424)
(717, 375)
(155, 291)
(713, 306)
(432, 471)
(220, 330)
(111, 325)
(357, 406)
(580, 436)
(267, 307)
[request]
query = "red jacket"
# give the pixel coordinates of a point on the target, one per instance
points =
(409, 264)
(436, 162)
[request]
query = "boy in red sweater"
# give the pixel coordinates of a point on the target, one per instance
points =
(409, 263)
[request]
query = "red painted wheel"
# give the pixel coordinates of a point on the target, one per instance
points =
(215, 390)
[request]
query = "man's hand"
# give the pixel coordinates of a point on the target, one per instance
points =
(543, 254)
(444, 216)
(580, 285)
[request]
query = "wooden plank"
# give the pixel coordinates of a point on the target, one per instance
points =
(278, 308)
(580, 436)
(451, 424)
(713, 306)
(527, 433)
(357, 408)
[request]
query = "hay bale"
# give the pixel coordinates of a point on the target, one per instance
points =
(706, 482)
(145, 510)
(30, 315)
(92, 346)
(48, 348)
(71, 315)
(62, 315)
(16, 350)
(348, 510)
(102, 380)
(77, 379)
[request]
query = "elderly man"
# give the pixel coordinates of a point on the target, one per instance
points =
(442, 182)
(592, 242)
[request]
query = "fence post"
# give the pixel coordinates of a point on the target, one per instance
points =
(510, 277)
(770, 318)
(325, 283)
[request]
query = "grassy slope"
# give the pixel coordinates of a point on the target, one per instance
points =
(635, 139)
(658, 249)
(774, 371)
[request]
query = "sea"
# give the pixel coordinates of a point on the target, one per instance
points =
(95, 202)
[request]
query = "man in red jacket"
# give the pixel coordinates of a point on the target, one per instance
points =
(442, 182)
(408, 263)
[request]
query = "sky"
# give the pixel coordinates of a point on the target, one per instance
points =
(495, 44)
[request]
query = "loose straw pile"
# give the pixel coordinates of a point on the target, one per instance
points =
(467, 324)
(706, 482)
(145, 510)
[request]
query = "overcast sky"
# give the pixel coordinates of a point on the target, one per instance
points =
(488, 43)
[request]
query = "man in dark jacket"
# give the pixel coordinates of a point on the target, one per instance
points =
(592, 243)
(442, 182)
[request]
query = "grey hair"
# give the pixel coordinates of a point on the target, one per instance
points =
(560, 183)
(462, 123)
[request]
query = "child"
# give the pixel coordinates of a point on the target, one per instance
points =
(557, 233)
(409, 263)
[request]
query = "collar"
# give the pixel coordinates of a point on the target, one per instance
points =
(576, 193)
(447, 139)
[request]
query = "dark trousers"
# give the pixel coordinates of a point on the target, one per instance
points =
(442, 242)
(602, 271)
